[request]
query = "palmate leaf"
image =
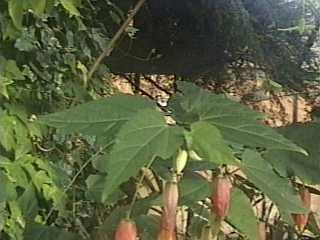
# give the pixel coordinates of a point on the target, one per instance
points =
(278, 189)
(141, 139)
(101, 118)
(290, 163)
(236, 122)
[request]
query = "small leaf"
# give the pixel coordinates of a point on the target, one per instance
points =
(7, 132)
(71, 7)
(8, 191)
(35, 231)
(141, 139)
(15, 8)
(28, 203)
(39, 6)
(261, 174)
(241, 215)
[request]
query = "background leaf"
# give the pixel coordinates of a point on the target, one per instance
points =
(307, 168)
(275, 187)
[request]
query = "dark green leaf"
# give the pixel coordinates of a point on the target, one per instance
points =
(35, 231)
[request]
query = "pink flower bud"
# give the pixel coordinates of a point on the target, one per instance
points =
(169, 214)
(221, 196)
(126, 230)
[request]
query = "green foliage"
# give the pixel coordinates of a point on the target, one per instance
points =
(63, 173)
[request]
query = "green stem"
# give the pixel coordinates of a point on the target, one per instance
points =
(135, 196)
(75, 177)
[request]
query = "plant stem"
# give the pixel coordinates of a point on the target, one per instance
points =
(135, 196)
(107, 51)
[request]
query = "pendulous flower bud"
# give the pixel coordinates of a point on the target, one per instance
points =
(301, 220)
(169, 213)
(181, 161)
(221, 196)
(170, 196)
(126, 230)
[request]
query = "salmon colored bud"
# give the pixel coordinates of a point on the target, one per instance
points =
(126, 230)
(167, 226)
(170, 196)
(181, 160)
(301, 220)
(221, 196)
(169, 214)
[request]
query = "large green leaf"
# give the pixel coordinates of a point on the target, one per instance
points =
(209, 144)
(35, 231)
(236, 122)
(291, 163)
(101, 118)
(241, 215)
(141, 139)
(278, 189)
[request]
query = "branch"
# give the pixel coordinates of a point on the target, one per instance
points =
(107, 51)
